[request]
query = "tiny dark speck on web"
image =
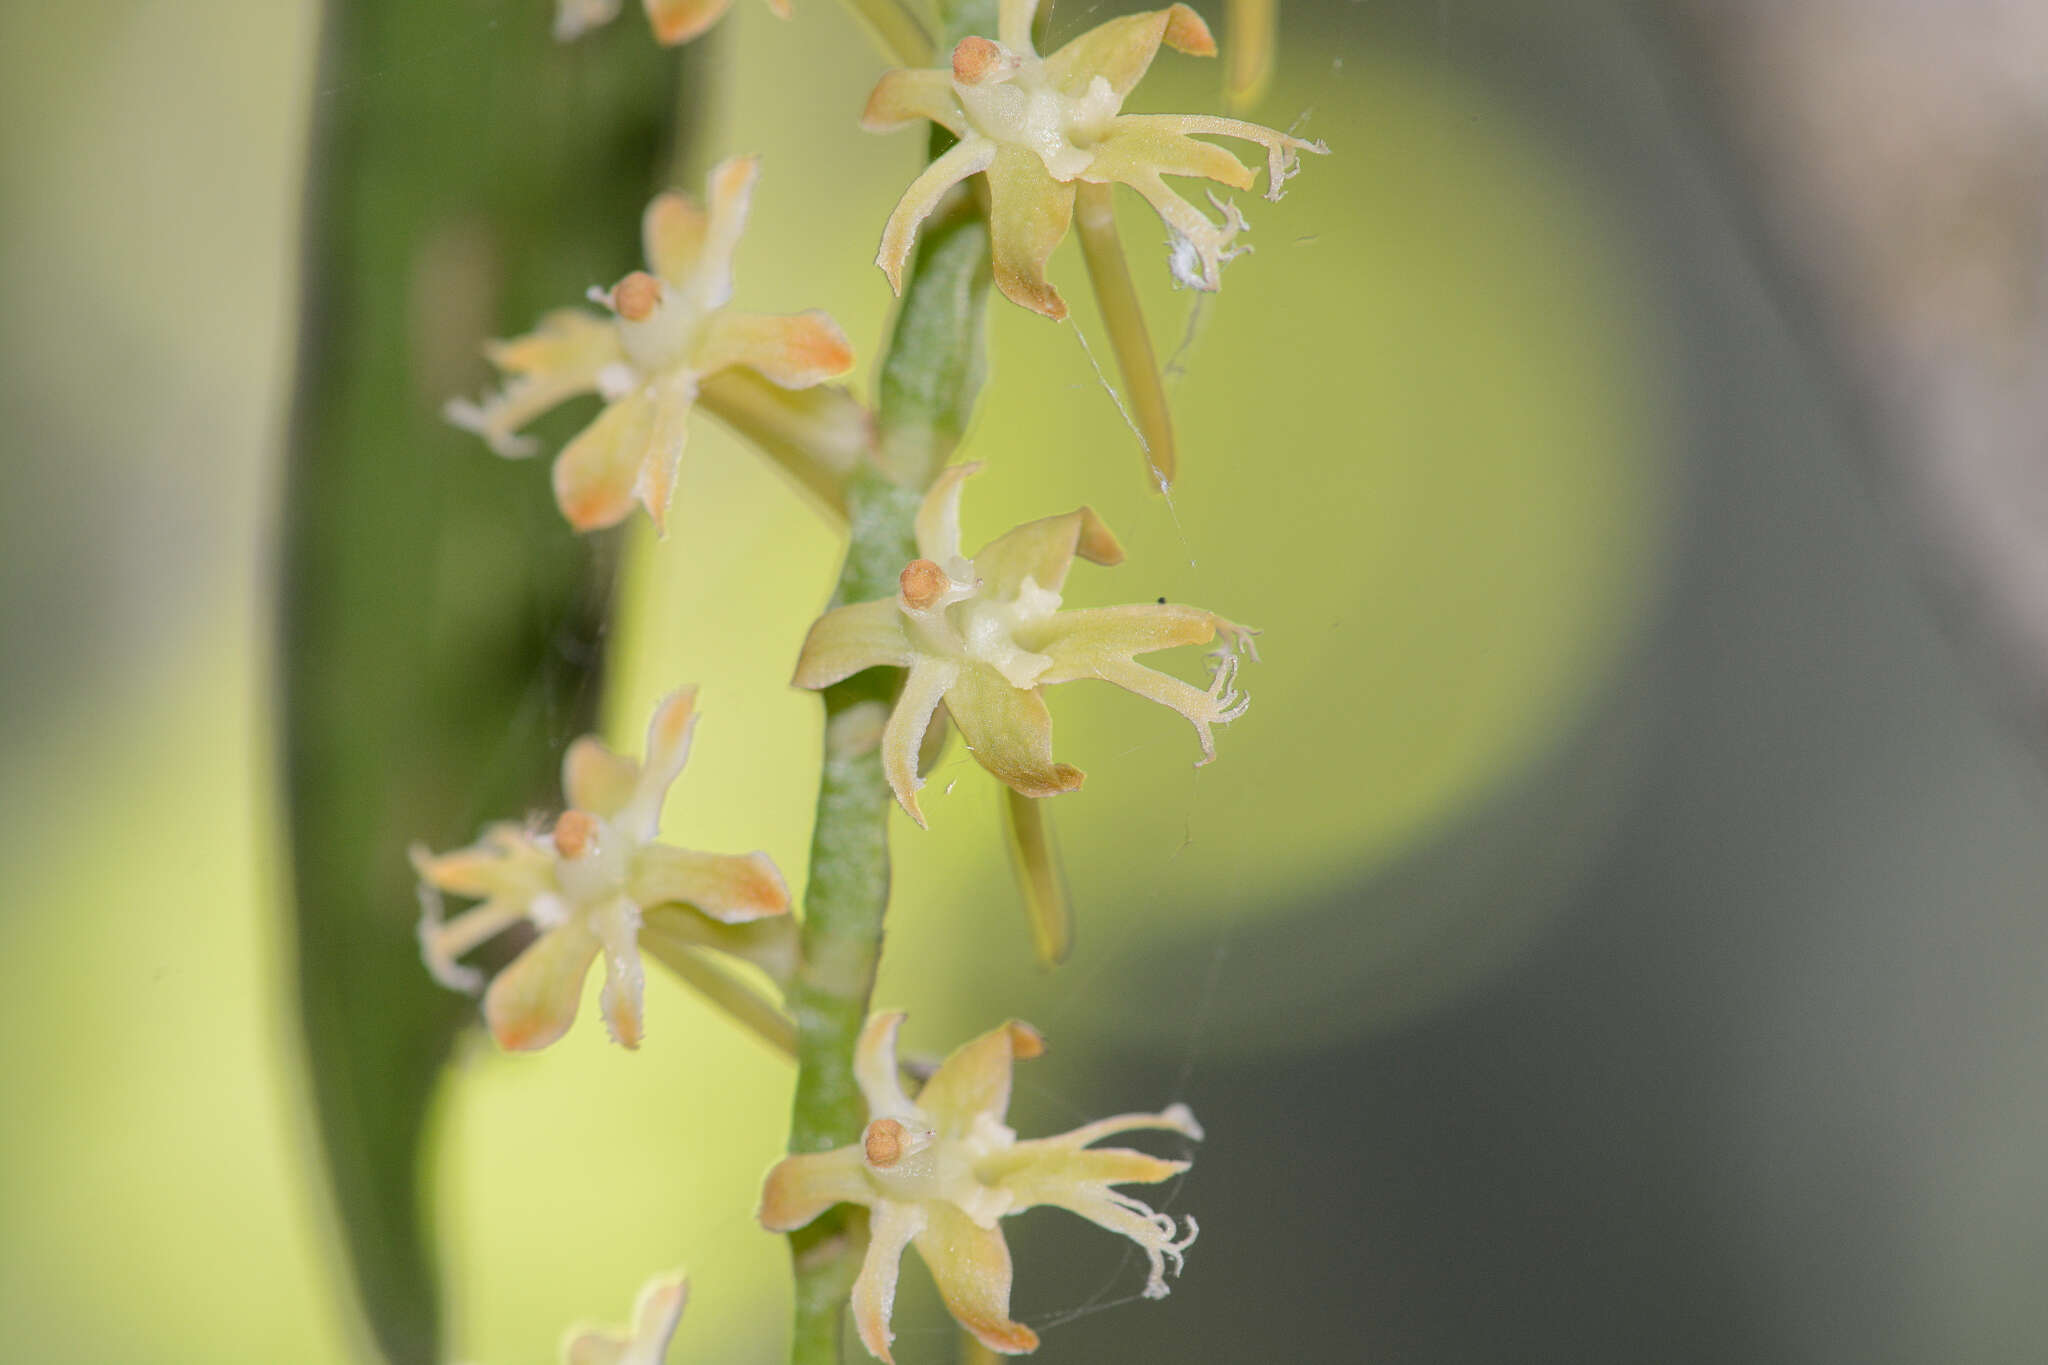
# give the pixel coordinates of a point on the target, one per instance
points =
(1162, 601)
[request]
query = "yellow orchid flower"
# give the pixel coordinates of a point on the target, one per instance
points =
(655, 1315)
(674, 21)
(668, 334)
(986, 635)
(598, 883)
(940, 1171)
(1038, 126)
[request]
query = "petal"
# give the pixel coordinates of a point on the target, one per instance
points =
(971, 1266)
(505, 864)
(598, 473)
(665, 449)
(678, 21)
(573, 18)
(924, 687)
(1043, 1172)
(595, 779)
(1042, 551)
(846, 640)
(795, 352)
(731, 192)
(901, 98)
(533, 1001)
(444, 941)
(874, 1290)
(625, 979)
(672, 234)
(875, 1069)
(1029, 212)
(964, 158)
(1121, 50)
(799, 1188)
(656, 1314)
(557, 360)
(1132, 151)
(1008, 730)
(1282, 150)
(1081, 644)
(937, 527)
(1157, 1234)
(1013, 24)
(668, 749)
(975, 1079)
(1219, 705)
(729, 887)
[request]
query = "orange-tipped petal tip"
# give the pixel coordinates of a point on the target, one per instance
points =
(1185, 32)
(1026, 1042)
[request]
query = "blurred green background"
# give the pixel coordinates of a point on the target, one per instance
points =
(1612, 934)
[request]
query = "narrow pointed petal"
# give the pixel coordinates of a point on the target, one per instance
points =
(731, 888)
(902, 98)
(656, 1314)
(656, 485)
(924, 688)
(1082, 644)
(875, 1070)
(678, 21)
(971, 1266)
(503, 865)
(975, 1079)
(1283, 151)
(596, 779)
(937, 528)
(732, 192)
(668, 749)
(966, 157)
(1132, 150)
(533, 1001)
(1043, 551)
(597, 475)
(874, 1291)
(795, 352)
(1029, 213)
(1061, 1168)
(1041, 880)
(557, 360)
(672, 234)
(623, 1000)
(1121, 51)
(1157, 1234)
(799, 1188)
(443, 942)
(1009, 731)
(846, 640)
(1013, 24)
(1220, 704)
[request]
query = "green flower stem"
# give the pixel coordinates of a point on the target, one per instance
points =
(928, 384)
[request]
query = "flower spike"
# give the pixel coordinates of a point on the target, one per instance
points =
(939, 1173)
(985, 636)
(1038, 126)
(670, 334)
(597, 885)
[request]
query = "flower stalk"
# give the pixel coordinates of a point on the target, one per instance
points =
(929, 380)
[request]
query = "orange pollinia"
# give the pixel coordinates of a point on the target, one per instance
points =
(984, 636)
(1038, 126)
(597, 884)
(669, 331)
(940, 1171)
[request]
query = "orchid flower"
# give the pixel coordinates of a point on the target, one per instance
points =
(940, 1171)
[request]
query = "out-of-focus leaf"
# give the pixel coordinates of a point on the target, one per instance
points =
(440, 621)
